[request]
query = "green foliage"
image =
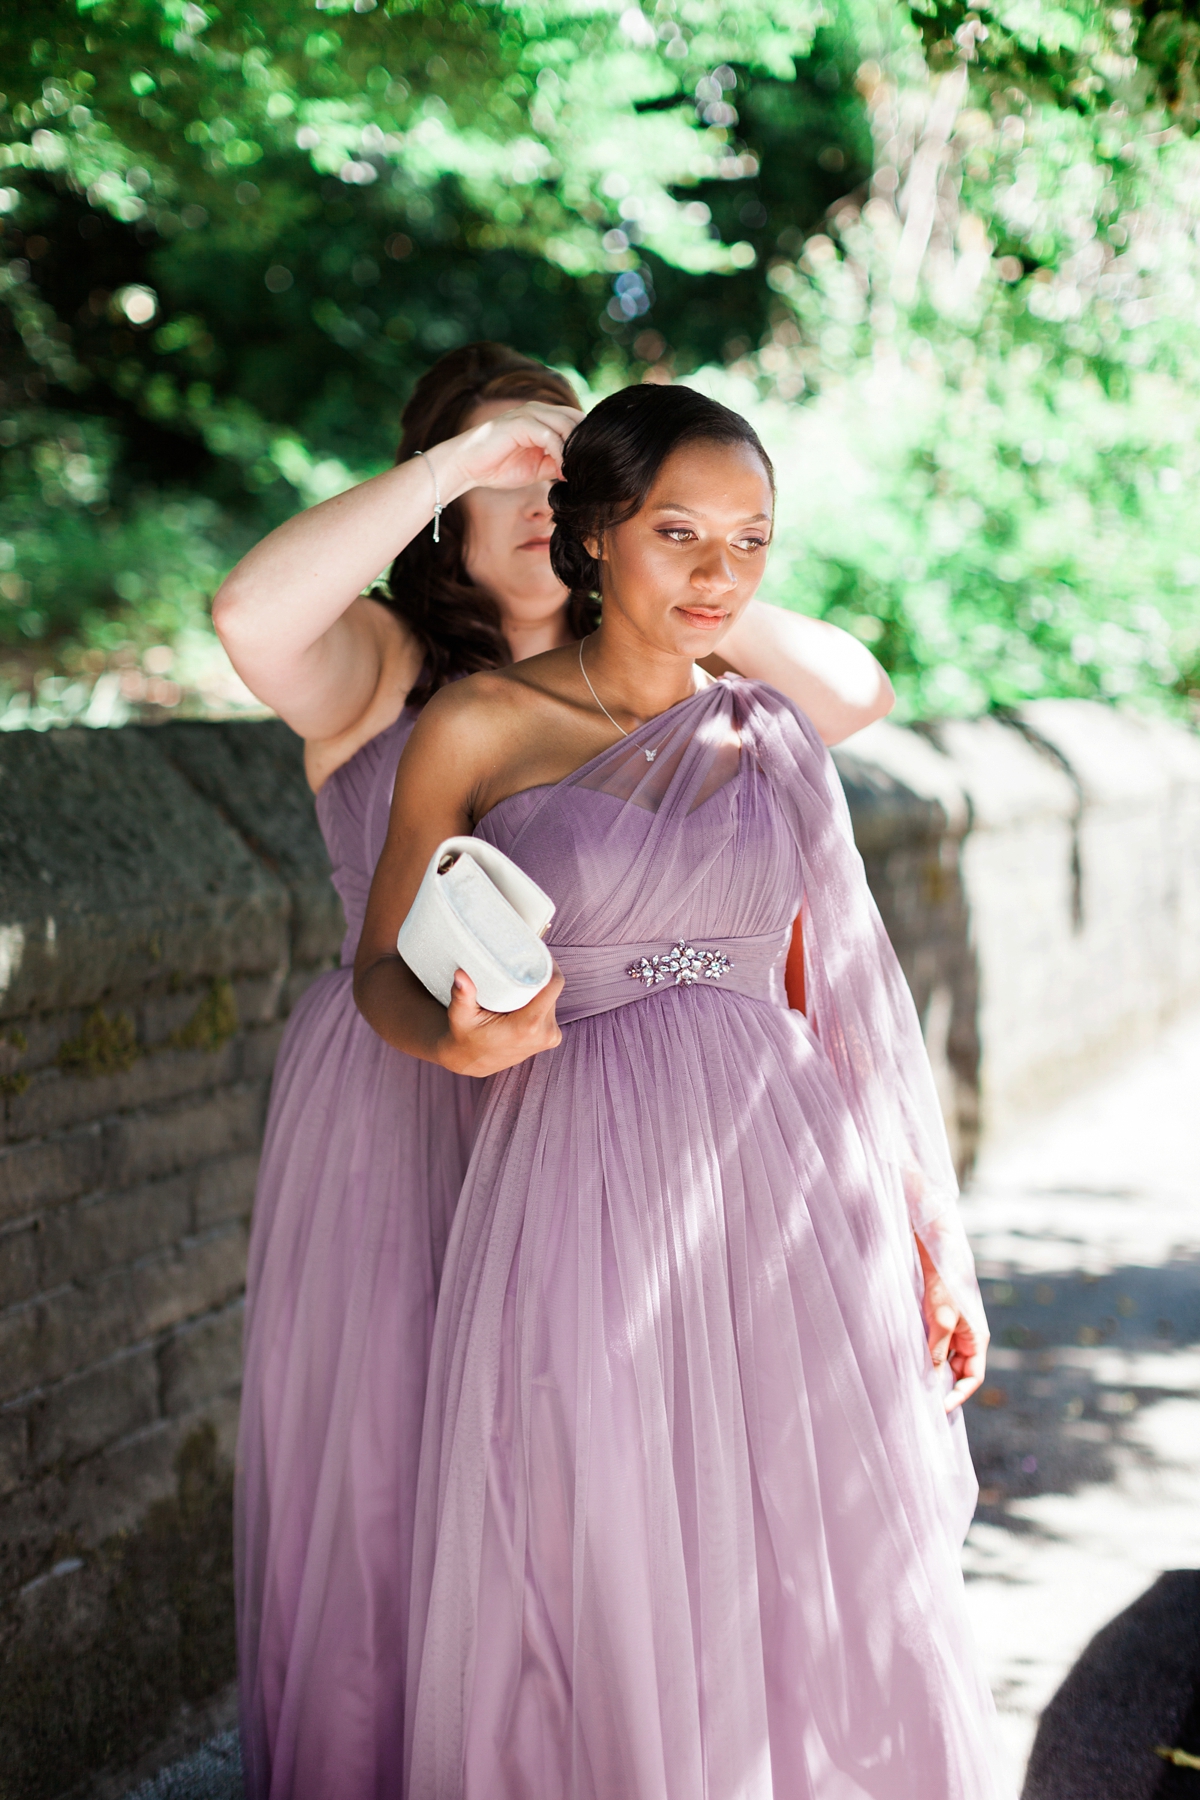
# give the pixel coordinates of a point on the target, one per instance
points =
(995, 539)
(70, 558)
(925, 239)
(233, 240)
(213, 1022)
(103, 1045)
(418, 178)
(1000, 338)
(13, 1046)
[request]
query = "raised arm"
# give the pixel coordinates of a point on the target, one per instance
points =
(289, 614)
(828, 673)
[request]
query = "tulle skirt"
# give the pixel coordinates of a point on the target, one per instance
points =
(690, 1507)
(364, 1158)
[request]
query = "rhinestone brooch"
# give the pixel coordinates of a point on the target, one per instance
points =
(683, 964)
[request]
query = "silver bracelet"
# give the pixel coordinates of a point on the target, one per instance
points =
(438, 508)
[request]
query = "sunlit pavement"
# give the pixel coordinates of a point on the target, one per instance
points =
(1087, 1434)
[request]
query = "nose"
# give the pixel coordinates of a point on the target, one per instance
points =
(536, 504)
(714, 574)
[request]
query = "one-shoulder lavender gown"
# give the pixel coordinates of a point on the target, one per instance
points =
(364, 1157)
(690, 1507)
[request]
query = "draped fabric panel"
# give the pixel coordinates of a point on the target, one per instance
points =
(690, 1506)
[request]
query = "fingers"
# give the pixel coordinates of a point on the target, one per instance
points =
(500, 452)
(952, 1338)
(566, 418)
(541, 1011)
(967, 1384)
(484, 1042)
(464, 1011)
(968, 1364)
(942, 1320)
(463, 1000)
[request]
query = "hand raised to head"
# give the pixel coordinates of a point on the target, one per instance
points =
(517, 447)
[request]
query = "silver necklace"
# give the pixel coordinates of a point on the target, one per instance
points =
(648, 754)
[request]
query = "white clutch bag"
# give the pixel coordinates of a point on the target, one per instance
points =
(475, 910)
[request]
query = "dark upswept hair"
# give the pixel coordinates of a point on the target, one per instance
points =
(611, 461)
(456, 622)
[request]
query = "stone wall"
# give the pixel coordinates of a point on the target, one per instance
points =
(1040, 878)
(164, 898)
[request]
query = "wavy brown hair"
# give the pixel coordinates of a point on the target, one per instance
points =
(455, 621)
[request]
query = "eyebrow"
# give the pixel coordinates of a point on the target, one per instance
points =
(675, 506)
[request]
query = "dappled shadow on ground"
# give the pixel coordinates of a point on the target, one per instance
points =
(1084, 1375)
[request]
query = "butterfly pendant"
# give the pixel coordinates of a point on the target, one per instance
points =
(650, 755)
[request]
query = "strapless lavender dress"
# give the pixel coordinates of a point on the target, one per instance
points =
(690, 1506)
(363, 1160)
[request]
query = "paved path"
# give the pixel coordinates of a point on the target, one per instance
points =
(214, 1772)
(1087, 1443)
(1087, 1440)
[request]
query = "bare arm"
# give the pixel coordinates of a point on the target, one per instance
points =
(287, 613)
(452, 747)
(828, 673)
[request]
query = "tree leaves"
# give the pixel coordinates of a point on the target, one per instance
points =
(232, 237)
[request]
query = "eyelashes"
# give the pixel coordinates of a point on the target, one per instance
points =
(679, 534)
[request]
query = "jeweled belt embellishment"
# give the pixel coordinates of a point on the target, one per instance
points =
(682, 964)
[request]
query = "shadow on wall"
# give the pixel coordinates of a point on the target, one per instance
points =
(98, 1656)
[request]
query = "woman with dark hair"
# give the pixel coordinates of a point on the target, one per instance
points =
(693, 1482)
(366, 1147)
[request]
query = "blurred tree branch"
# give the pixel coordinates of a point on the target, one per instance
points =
(232, 238)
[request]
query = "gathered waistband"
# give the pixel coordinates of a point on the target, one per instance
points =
(601, 977)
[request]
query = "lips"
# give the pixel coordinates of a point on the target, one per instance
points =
(703, 621)
(537, 543)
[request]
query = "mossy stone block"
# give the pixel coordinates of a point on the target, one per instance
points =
(252, 772)
(115, 871)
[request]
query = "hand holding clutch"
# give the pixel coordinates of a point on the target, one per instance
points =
(476, 910)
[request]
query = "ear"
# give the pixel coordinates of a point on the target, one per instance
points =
(593, 546)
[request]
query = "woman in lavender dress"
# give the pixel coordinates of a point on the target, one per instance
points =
(366, 1147)
(692, 1484)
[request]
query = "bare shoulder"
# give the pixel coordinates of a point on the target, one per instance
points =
(480, 711)
(399, 664)
(458, 739)
(493, 734)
